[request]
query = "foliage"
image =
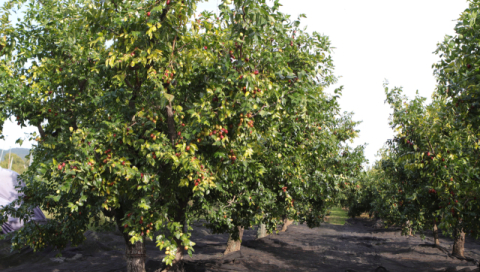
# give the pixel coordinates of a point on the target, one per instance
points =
(424, 175)
(153, 116)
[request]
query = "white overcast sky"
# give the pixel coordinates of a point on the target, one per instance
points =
(374, 40)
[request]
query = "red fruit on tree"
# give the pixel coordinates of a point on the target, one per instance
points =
(148, 14)
(205, 47)
(256, 72)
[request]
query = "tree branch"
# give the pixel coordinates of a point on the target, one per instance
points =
(171, 124)
(41, 131)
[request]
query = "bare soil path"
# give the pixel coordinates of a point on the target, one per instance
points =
(356, 246)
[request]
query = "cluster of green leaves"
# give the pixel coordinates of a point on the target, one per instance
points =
(155, 116)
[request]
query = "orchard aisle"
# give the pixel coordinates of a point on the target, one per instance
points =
(355, 246)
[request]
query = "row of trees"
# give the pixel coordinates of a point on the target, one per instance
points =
(427, 178)
(155, 116)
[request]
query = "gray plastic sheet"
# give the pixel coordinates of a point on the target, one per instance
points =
(8, 193)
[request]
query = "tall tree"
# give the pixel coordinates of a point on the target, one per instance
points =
(135, 103)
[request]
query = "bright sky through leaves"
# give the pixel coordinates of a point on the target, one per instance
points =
(375, 40)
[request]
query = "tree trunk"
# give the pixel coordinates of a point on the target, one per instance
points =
(409, 228)
(286, 222)
(436, 242)
(262, 231)
(459, 242)
(135, 256)
(234, 245)
(177, 264)
(134, 253)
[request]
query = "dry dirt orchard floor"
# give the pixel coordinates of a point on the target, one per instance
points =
(355, 246)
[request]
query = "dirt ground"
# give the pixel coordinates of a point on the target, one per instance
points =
(356, 246)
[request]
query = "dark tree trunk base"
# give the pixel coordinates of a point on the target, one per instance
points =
(135, 257)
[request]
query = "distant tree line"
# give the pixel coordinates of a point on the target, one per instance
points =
(19, 165)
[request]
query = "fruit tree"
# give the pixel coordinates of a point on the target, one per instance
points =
(142, 106)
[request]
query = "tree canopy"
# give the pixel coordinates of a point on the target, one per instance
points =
(152, 114)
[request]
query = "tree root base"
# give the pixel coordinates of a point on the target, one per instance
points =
(444, 250)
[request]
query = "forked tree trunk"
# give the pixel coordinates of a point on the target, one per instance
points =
(459, 242)
(234, 245)
(286, 222)
(436, 241)
(262, 231)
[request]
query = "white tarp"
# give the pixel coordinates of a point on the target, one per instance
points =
(8, 180)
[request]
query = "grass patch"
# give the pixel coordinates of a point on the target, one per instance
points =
(337, 216)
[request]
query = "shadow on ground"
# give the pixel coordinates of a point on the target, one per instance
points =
(356, 246)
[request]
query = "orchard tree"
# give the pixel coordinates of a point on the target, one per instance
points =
(426, 178)
(303, 169)
(137, 103)
(457, 76)
(307, 131)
